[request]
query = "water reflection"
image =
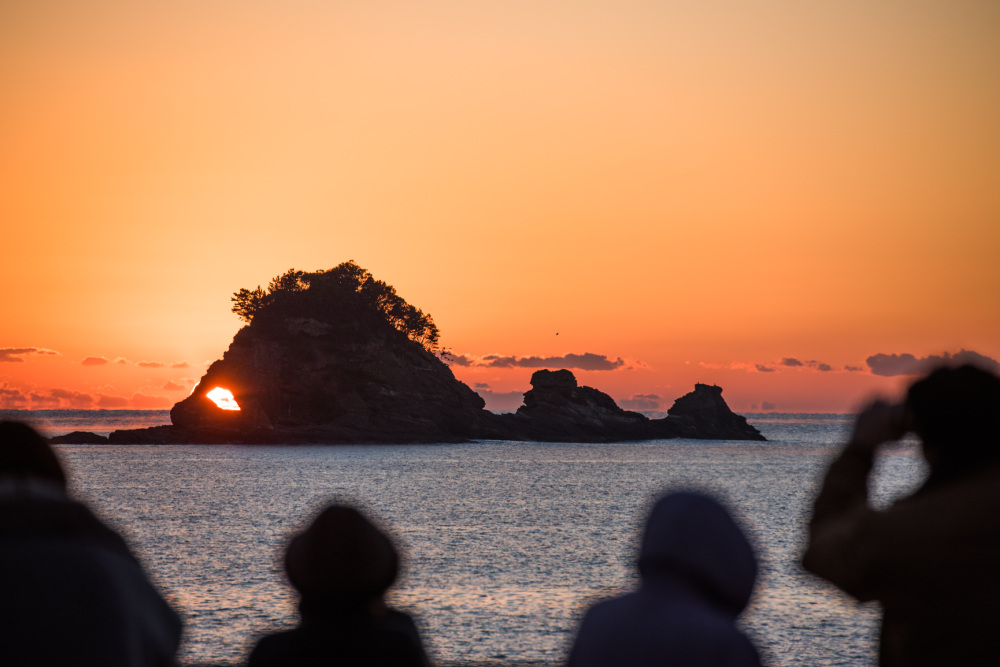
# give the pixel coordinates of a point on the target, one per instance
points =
(506, 543)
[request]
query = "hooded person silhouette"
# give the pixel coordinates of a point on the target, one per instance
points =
(342, 565)
(697, 573)
(73, 593)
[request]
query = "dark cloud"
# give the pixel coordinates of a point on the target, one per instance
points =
(767, 406)
(72, 399)
(508, 401)
(11, 397)
(792, 362)
(180, 364)
(112, 402)
(173, 386)
(586, 361)
(481, 385)
(891, 365)
(94, 361)
(16, 354)
(761, 368)
(41, 399)
(457, 360)
(150, 364)
(121, 360)
(853, 369)
(641, 402)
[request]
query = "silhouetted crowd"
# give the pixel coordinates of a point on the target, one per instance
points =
(76, 595)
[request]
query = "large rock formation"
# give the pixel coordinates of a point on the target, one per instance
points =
(306, 383)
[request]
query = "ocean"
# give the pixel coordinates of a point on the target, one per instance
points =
(505, 543)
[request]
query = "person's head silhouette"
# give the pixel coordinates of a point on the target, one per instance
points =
(956, 414)
(341, 557)
(24, 454)
(342, 565)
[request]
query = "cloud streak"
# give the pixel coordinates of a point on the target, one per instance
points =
(774, 366)
(94, 361)
(891, 365)
(641, 402)
(496, 401)
(12, 397)
(587, 361)
(16, 354)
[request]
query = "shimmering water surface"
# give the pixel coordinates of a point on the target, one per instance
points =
(505, 542)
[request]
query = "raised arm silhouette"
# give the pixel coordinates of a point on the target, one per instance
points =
(931, 558)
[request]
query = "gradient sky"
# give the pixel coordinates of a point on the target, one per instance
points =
(761, 195)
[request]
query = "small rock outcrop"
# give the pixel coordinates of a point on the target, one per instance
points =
(79, 438)
(556, 409)
(703, 413)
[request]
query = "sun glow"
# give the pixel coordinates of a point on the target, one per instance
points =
(223, 398)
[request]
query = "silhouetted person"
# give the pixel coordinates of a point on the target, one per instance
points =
(932, 559)
(72, 593)
(342, 566)
(697, 572)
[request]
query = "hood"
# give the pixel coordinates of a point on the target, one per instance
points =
(692, 537)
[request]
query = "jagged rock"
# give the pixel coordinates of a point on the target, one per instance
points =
(79, 438)
(704, 414)
(557, 410)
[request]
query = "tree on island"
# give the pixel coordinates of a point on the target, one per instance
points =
(342, 297)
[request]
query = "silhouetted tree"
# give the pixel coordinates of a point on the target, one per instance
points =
(344, 295)
(290, 281)
(247, 303)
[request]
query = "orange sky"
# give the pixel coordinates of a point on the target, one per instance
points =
(697, 188)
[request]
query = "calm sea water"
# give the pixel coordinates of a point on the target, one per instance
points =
(506, 543)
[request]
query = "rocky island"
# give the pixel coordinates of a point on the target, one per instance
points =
(338, 357)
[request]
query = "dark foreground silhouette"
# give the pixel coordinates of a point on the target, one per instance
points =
(697, 572)
(73, 593)
(342, 566)
(932, 558)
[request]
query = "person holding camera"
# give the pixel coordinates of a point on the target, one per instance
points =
(932, 559)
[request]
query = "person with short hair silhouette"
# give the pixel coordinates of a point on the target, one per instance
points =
(932, 559)
(342, 565)
(73, 593)
(698, 571)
